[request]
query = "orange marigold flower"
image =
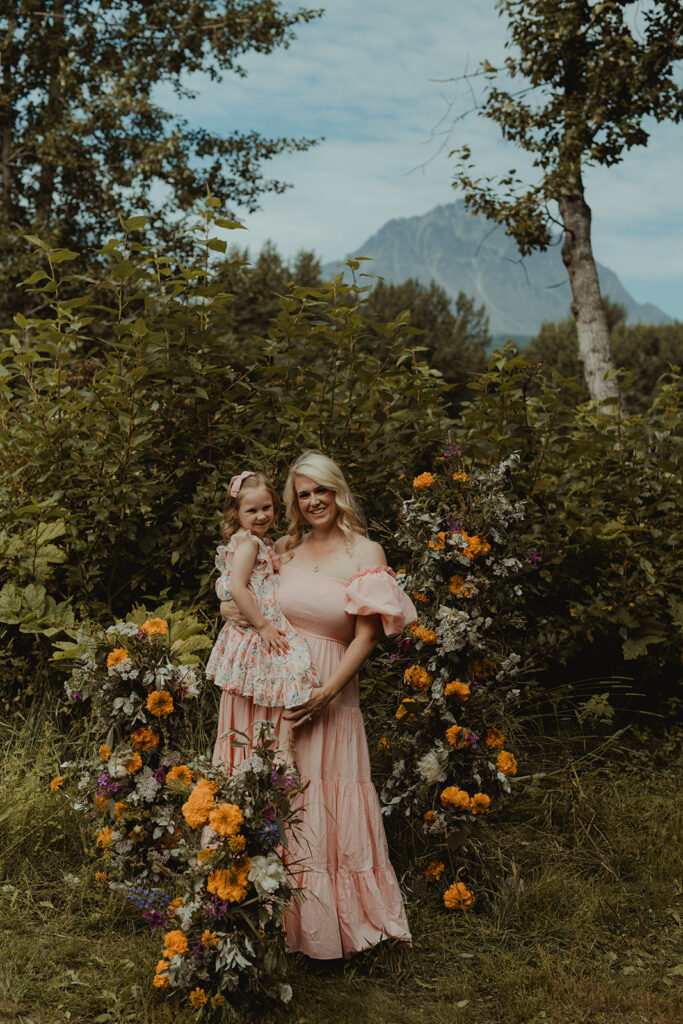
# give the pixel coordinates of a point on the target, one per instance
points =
(181, 773)
(423, 482)
(417, 677)
(237, 844)
(460, 478)
(105, 751)
(458, 897)
(57, 783)
(430, 815)
(120, 807)
(155, 627)
(115, 657)
(434, 870)
(459, 587)
(422, 598)
(172, 908)
(198, 997)
(460, 691)
(506, 763)
(483, 669)
(480, 803)
(104, 838)
(454, 797)
(133, 764)
(476, 547)
(423, 633)
(101, 876)
(230, 883)
(161, 979)
(383, 743)
(199, 804)
(226, 819)
(405, 707)
(217, 1000)
(209, 938)
(494, 739)
(145, 739)
(457, 736)
(160, 703)
(100, 801)
(439, 543)
(175, 943)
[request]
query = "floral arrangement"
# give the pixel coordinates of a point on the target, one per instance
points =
(199, 851)
(446, 749)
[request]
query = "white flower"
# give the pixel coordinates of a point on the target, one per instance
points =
(431, 767)
(267, 874)
(285, 993)
(253, 763)
(116, 766)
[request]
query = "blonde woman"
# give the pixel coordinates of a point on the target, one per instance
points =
(337, 590)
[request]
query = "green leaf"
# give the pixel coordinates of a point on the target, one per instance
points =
(135, 223)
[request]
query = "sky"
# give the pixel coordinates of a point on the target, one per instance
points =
(370, 78)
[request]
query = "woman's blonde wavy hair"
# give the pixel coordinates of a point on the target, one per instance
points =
(323, 470)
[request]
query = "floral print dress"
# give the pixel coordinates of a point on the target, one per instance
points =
(240, 662)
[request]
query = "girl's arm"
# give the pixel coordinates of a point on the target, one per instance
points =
(368, 629)
(243, 562)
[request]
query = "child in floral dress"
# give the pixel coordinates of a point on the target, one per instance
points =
(267, 661)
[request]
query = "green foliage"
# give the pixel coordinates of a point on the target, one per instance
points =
(82, 135)
(122, 418)
(604, 514)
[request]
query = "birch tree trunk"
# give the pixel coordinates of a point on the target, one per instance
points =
(587, 307)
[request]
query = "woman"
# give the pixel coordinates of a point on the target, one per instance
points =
(337, 590)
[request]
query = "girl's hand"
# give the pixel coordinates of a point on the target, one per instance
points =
(231, 613)
(305, 713)
(274, 638)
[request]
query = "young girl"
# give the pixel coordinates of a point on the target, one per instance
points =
(268, 661)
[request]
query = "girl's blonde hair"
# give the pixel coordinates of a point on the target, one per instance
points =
(326, 472)
(231, 509)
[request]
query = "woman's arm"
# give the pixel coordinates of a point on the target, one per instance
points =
(368, 629)
(243, 563)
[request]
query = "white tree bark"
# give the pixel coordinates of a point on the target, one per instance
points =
(587, 308)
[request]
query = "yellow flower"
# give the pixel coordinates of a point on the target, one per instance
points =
(133, 764)
(458, 896)
(422, 598)
(105, 752)
(460, 478)
(383, 743)
(506, 763)
(160, 703)
(237, 844)
(175, 943)
(104, 838)
(423, 633)
(198, 997)
(226, 819)
(155, 627)
(101, 876)
(161, 974)
(457, 736)
(494, 739)
(404, 708)
(454, 797)
(423, 482)
(209, 938)
(57, 783)
(199, 804)
(217, 1000)
(417, 677)
(117, 656)
(434, 870)
(181, 773)
(460, 691)
(480, 803)
(230, 883)
(145, 739)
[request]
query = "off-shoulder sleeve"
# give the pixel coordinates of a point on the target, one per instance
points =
(376, 592)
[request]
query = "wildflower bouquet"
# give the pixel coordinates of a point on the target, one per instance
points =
(140, 682)
(227, 943)
(446, 753)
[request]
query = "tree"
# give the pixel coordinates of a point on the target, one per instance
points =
(81, 136)
(456, 341)
(593, 74)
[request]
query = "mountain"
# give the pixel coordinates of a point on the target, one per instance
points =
(462, 252)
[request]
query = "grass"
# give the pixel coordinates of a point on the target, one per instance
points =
(577, 919)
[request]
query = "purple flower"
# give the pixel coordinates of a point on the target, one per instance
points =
(453, 453)
(159, 775)
(535, 558)
(392, 658)
(274, 778)
(106, 785)
(155, 918)
(77, 696)
(270, 814)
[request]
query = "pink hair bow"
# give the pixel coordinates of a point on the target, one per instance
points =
(237, 482)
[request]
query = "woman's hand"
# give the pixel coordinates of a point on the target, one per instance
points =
(317, 702)
(231, 613)
(273, 638)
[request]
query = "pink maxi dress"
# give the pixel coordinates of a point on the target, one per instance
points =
(353, 900)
